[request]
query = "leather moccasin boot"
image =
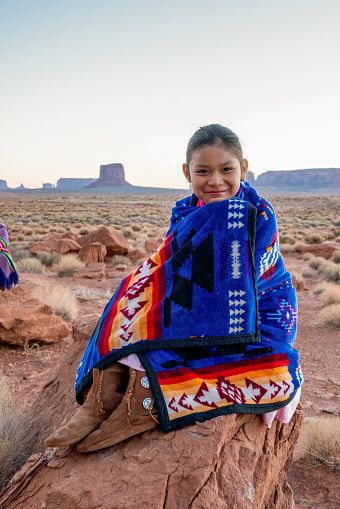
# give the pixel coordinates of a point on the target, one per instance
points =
(134, 415)
(105, 395)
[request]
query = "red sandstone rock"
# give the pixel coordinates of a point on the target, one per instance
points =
(25, 319)
(228, 462)
(93, 253)
(68, 246)
(112, 239)
(50, 245)
(70, 235)
(92, 271)
(137, 254)
(325, 250)
(152, 245)
(57, 245)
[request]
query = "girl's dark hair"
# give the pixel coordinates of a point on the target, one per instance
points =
(215, 134)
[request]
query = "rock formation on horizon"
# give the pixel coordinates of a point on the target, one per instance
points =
(3, 184)
(110, 175)
(73, 183)
(310, 178)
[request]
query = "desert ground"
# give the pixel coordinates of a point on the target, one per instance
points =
(309, 229)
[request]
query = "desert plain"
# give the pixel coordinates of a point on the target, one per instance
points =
(309, 228)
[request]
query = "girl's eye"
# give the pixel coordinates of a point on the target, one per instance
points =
(227, 169)
(202, 171)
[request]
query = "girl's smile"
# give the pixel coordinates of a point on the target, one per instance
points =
(214, 173)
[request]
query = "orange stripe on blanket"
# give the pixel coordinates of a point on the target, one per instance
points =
(220, 370)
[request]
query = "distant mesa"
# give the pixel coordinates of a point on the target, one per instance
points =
(110, 175)
(3, 184)
(69, 183)
(47, 185)
(312, 178)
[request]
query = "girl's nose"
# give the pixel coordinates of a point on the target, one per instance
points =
(215, 179)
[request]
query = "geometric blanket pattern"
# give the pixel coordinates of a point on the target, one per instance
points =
(211, 314)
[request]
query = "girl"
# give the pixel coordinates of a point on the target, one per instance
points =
(202, 328)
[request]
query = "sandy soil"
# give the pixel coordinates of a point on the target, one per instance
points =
(27, 371)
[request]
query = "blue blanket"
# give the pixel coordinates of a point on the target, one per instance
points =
(212, 315)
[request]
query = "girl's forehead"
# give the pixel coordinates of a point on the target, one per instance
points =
(212, 153)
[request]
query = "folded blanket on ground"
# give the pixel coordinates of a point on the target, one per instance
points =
(211, 315)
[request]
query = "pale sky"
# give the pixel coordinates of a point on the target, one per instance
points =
(86, 83)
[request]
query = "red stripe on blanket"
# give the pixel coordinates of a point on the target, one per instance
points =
(165, 254)
(103, 341)
(183, 374)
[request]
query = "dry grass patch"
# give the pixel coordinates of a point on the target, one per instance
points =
(336, 257)
(319, 441)
(331, 271)
(119, 260)
(31, 265)
(60, 298)
(68, 264)
(287, 248)
(330, 315)
(17, 435)
(331, 293)
(317, 262)
(48, 259)
(309, 272)
(314, 238)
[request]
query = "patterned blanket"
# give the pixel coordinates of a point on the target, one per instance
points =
(211, 315)
(8, 274)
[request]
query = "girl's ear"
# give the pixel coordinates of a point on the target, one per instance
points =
(244, 169)
(186, 172)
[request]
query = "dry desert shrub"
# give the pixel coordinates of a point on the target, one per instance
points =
(298, 246)
(314, 238)
(331, 293)
(127, 232)
(68, 264)
(331, 271)
(287, 239)
(317, 262)
(48, 259)
(84, 293)
(287, 248)
(17, 435)
(19, 250)
(330, 315)
(336, 257)
(307, 256)
(320, 441)
(309, 272)
(31, 265)
(60, 298)
(119, 260)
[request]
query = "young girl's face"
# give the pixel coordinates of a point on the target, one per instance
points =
(214, 173)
